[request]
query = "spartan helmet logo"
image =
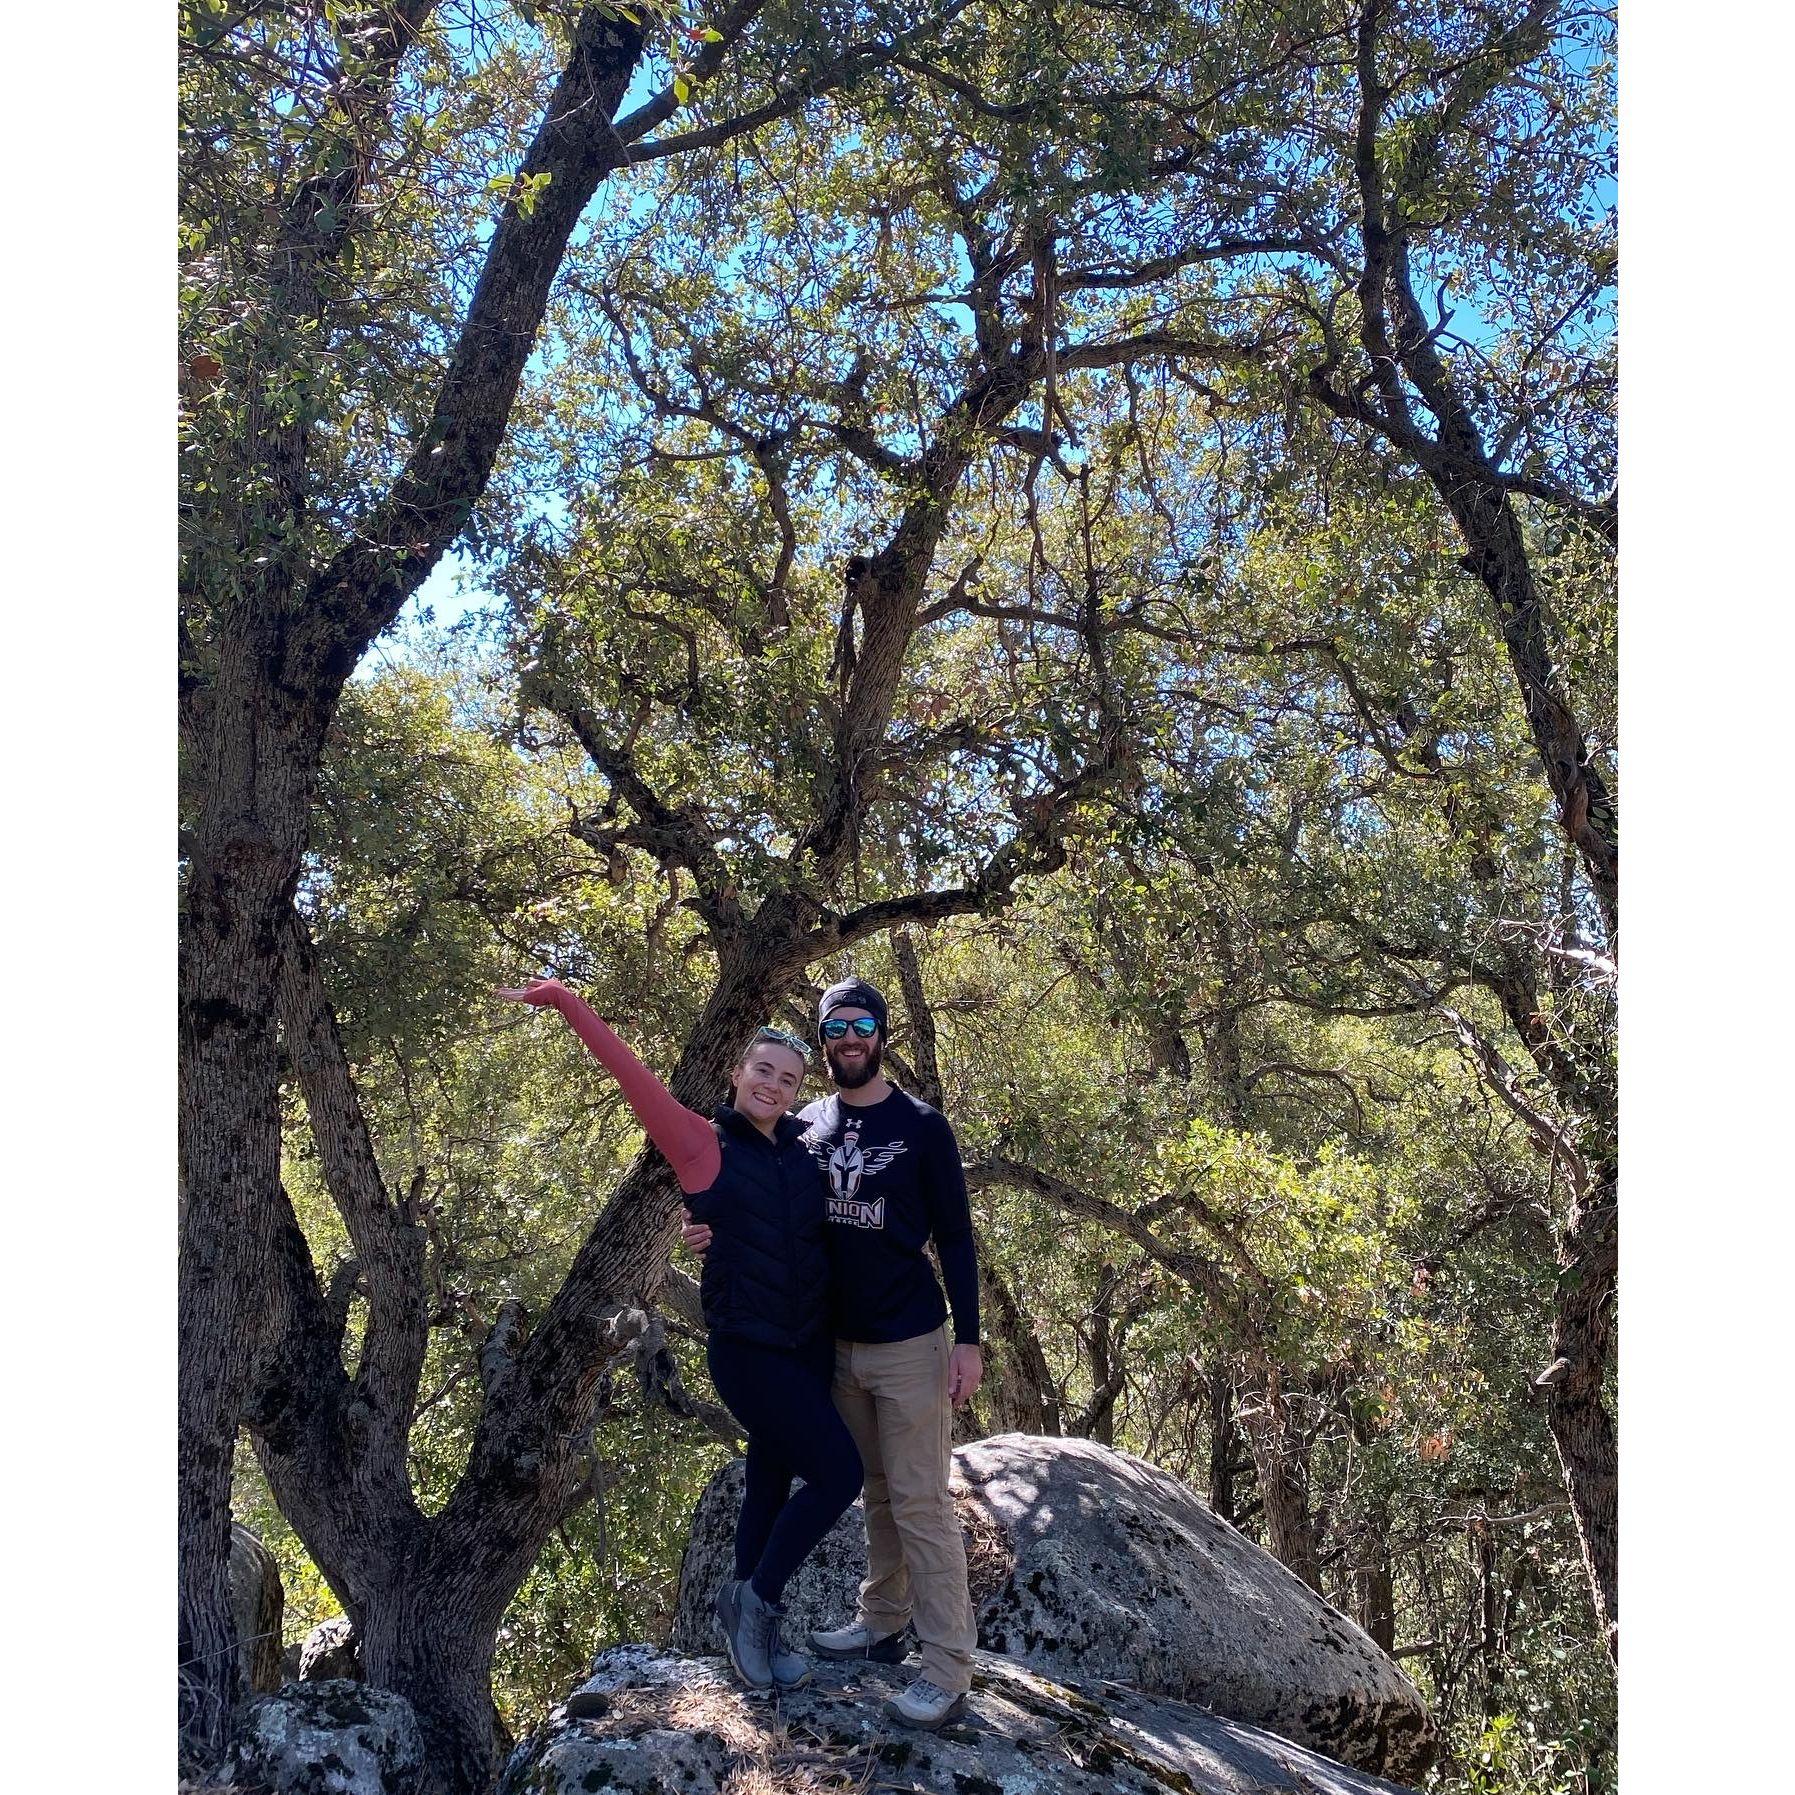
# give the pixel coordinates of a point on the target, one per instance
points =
(847, 1164)
(848, 1167)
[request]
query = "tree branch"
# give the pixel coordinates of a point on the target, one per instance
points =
(1195, 1269)
(841, 72)
(359, 592)
(921, 1020)
(390, 1247)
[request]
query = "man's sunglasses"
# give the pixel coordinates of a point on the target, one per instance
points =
(837, 1026)
(779, 1035)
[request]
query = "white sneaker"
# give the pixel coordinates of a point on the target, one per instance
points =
(925, 1705)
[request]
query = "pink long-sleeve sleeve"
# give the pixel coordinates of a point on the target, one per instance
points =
(684, 1136)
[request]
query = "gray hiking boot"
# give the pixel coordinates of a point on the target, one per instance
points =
(748, 1626)
(925, 1705)
(790, 1669)
(858, 1640)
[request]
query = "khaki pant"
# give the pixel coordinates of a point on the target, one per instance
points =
(894, 1399)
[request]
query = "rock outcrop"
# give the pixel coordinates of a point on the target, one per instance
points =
(330, 1650)
(1091, 1565)
(674, 1723)
(257, 1602)
(328, 1738)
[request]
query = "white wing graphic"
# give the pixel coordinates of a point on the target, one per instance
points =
(876, 1162)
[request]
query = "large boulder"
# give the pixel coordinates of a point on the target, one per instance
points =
(331, 1650)
(1091, 1564)
(329, 1738)
(674, 1723)
(256, 1604)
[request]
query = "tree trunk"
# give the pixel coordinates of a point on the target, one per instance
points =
(427, 1595)
(1374, 1583)
(1583, 1303)
(1283, 1477)
(1481, 1543)
(1103, 1417)
(1582, 1428)
(1024, 1399)
(285, 639)
(243, 862)
(1373, 1579)
(921, 1043)
(431, 1641)
(1222, 1441)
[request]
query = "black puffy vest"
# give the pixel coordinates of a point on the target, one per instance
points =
(766, 1273)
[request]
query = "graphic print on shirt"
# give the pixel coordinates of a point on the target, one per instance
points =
(847, 1168)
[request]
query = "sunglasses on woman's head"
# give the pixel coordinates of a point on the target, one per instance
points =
(779, 1035)
(837, 1026)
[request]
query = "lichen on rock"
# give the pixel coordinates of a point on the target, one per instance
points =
(329, 1738)
(676, 1723)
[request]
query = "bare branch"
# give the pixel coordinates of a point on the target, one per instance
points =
(1501, 1078)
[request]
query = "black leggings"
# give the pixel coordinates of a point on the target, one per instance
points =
(782, 1400)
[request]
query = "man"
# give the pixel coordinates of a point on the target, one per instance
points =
(895, 1181)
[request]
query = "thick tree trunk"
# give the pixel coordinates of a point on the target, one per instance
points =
(427, 1595)
(430, 1639)
(242, 864)
(1582, 1427)
(253, 734)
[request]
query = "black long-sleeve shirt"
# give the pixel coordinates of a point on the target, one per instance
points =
(895, 1180)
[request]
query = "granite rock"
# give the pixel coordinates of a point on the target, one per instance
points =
(1088, 1563)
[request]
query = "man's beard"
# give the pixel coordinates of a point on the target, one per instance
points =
(867, 1072)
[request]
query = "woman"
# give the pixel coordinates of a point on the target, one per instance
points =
(771, 1352)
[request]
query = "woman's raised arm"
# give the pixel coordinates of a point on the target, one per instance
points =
(684, 1136)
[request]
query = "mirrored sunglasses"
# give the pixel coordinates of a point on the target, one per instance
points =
(837, 1026)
